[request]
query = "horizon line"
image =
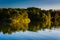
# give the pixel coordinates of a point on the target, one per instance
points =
(32, 7)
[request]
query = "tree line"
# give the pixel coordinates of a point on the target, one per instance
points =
(32, 19)
(33, 13)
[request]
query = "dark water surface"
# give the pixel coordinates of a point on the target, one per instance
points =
(32, 31)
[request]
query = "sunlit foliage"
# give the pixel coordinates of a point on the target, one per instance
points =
(32, 19)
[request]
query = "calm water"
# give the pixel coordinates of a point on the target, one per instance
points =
(28, 35)
(32, 31)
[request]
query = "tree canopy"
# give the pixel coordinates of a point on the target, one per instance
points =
(32, 19)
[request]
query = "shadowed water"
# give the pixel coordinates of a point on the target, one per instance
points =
(31, 31)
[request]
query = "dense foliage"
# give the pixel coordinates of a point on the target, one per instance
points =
(15, 19)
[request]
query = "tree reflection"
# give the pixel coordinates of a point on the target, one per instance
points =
(32, 26)
(6, 28)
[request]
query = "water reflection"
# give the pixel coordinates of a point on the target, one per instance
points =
(6, 28)
(35, 30)
(32, 26)
(29, 35)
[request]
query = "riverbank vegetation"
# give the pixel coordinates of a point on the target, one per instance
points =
(32, 19)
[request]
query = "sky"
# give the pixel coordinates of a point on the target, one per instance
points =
(43, 4)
